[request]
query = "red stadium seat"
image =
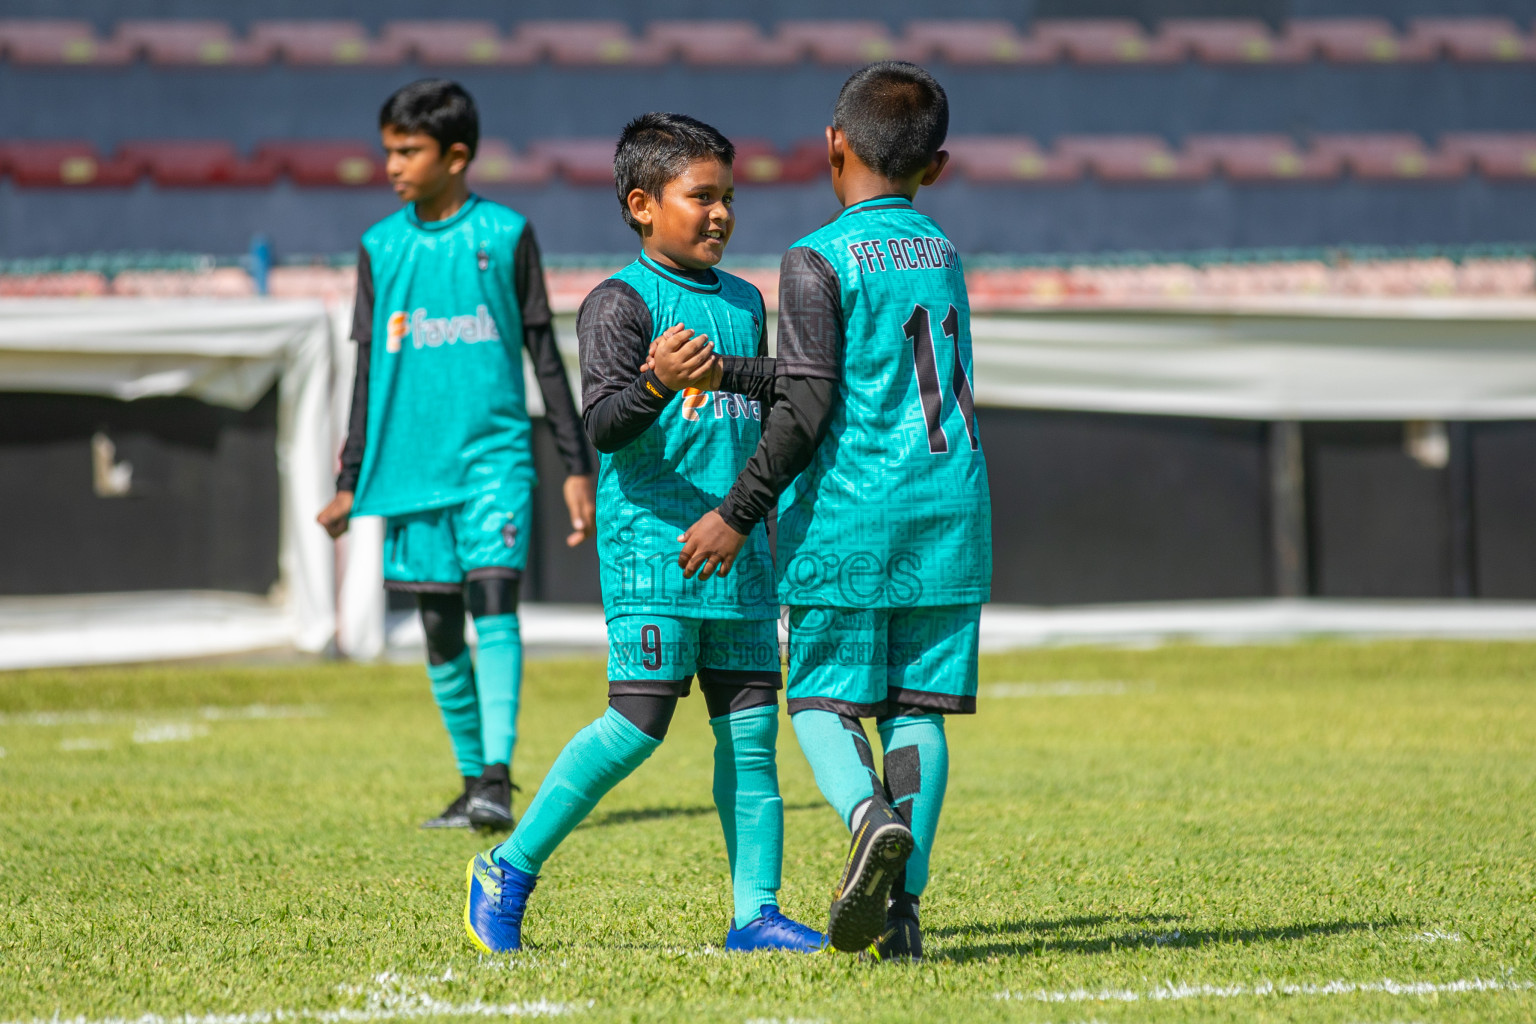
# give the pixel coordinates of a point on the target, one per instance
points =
(325, 163)
(55, 41)
(1011, 158)
(974, 42)
(174, 164)
(840, 42)
(1227, 41)
(1495, 156)
(1132, 158)
(190, 42)
(1263, 158)
(717, 43)
(578, 161)
(1104, 41)
(761, 163)
(1400, 157)
(496, 163)
(325, 42)
(1472, 39)
(70, 164)
(588, 43)
(457, 43)
(1353, 41)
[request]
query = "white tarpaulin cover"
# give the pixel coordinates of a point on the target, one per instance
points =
(224, 352)
(1290, 359)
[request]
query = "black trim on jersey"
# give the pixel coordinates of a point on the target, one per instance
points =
(897, 703)
(418, 587)
(885, 204)
(705, 282)
(650, 687)
(493, 572)
(843, 708)
(941, 703)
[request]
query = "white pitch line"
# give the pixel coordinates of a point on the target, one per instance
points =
(247, 713)
(1065, 688)
(390, 999)
(1172, 991)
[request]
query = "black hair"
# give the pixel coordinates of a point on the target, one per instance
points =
(895, 116)
(656, 148)
(435, 107)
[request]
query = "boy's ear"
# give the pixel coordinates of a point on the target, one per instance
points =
(458, 158)
(639, 202)
(935, 168)
(837, 147)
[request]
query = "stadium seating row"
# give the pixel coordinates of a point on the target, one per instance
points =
(998, 158)
(992, 289)
(721, 43)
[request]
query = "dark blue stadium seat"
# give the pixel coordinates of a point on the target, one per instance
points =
(182, 41)
(73, 164)
(324, 163)
(318, 42)
(58, 41)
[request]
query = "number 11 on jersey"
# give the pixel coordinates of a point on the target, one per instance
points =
(919, 330)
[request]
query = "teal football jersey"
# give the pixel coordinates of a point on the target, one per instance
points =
(447, 415)
(682, 464)
(893, 510)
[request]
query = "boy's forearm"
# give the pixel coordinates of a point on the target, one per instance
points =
(559, 405)
(802, 414)
(617, 418)
(749, 376)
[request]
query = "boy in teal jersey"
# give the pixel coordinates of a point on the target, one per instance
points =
(450, 290)
(667, 457)
(873, 456)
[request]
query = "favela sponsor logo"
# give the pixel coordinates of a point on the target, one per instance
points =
(725, 403)
(433, 332)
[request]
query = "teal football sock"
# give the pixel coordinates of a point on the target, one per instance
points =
(453, 687)
(598, 758)
(751, 811)
(499, 679)
(916, 775)
(840, 758)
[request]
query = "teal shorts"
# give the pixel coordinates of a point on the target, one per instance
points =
(868, 662)
(659, 654)
(437, 550)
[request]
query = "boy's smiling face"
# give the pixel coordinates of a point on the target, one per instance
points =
(689, 224)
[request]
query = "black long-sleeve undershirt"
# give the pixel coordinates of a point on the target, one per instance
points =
(538, 338)
(807, 376)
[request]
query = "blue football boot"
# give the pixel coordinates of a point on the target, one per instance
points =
(772, 930)
(493, 910)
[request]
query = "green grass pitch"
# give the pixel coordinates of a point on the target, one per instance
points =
(1319, 832)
